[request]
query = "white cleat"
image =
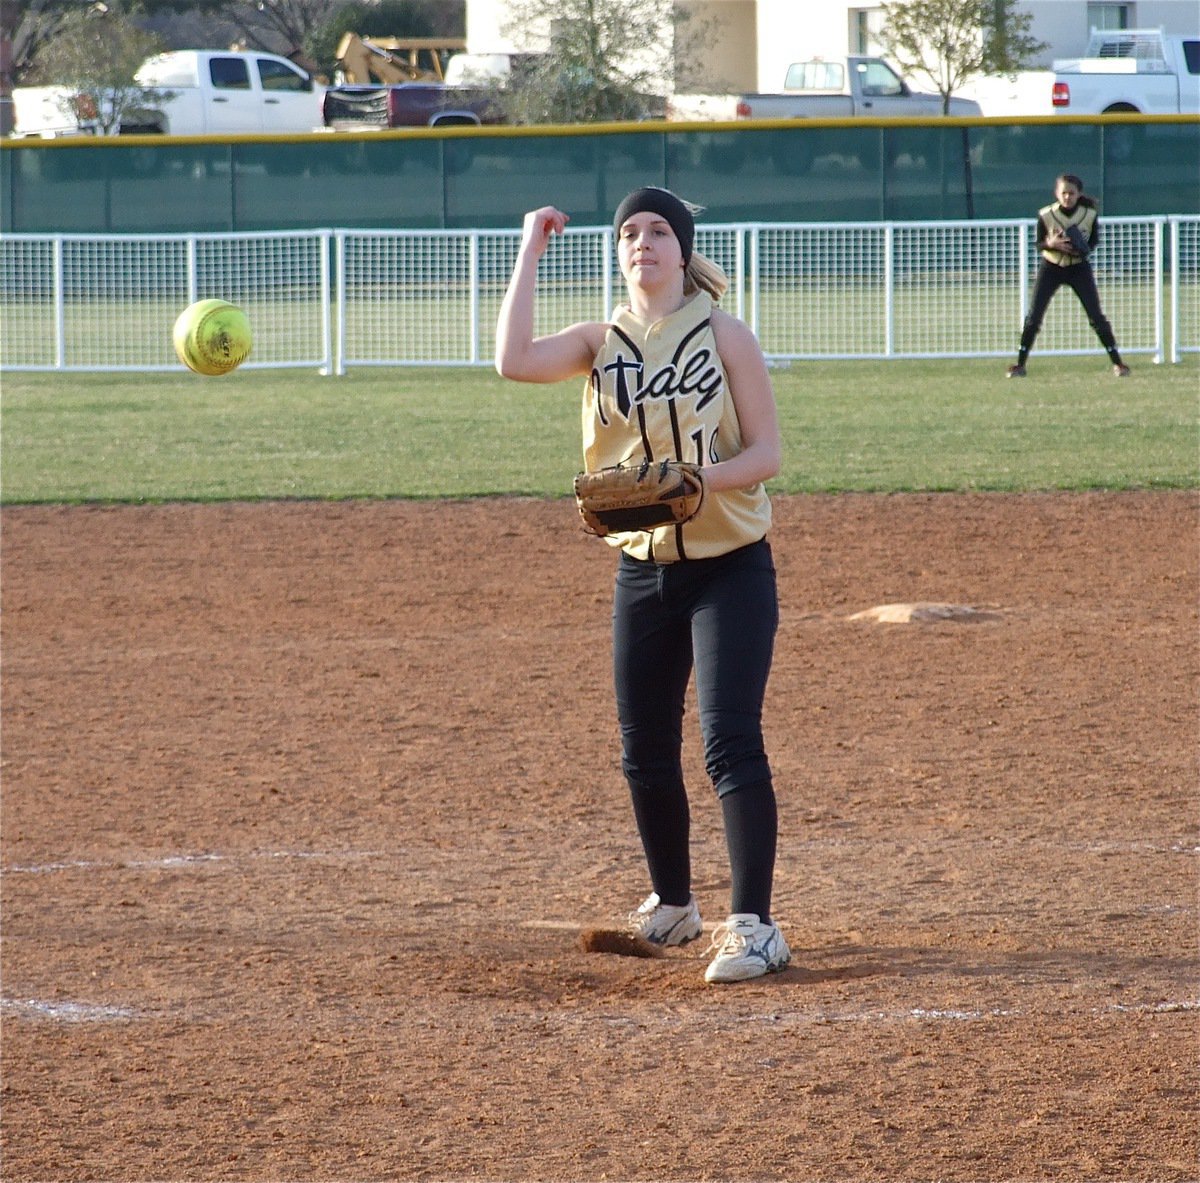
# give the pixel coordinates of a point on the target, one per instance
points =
(667, 924)
(746, 949)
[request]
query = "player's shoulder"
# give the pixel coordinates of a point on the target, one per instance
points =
(591, 332)
(729, 328)
(736, 343)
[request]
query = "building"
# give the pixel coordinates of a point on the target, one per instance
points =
(750, 43)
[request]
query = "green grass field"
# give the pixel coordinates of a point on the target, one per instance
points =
(441, 432)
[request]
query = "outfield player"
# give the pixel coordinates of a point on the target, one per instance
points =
(1068, 231)
(672, 376)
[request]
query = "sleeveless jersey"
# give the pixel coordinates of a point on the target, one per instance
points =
(1083, 216)
(658, 391)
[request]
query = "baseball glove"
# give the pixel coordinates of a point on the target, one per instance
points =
(1079, 244)
(640, 497)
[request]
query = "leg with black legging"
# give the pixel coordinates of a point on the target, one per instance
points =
(652, 663)
(751, 833)
(1050, 278)
(733, 632)
(1083, 283)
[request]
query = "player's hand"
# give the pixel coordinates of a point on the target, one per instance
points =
(540, 224)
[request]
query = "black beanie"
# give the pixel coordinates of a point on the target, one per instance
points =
(668, 207)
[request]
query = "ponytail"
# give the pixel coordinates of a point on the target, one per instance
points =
(703, 275)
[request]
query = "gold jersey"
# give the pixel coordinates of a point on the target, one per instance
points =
(658, 391)
(1054, 216)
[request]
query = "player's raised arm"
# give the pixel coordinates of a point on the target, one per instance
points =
(520, 355)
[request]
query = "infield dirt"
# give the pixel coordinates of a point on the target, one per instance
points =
(303, 802)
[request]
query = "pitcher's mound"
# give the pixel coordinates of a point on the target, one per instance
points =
(923, 613)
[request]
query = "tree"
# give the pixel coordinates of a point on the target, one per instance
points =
(603, 60)
(312, 27)
(280, 26)
(950, 41)
(94, 53)
(32, 24)
(28, 27)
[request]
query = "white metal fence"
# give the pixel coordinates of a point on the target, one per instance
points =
(336, 299)
(109, 302)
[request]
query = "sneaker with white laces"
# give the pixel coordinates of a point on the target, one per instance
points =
(746, 948)
(667, 924)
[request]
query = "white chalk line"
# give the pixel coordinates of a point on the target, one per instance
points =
(183, 861)
(917, 1014)
(178, 861)
(953, 1015)
(67, 1011)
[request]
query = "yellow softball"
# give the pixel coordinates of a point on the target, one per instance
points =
(212, 337)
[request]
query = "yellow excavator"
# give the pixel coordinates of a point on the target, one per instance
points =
(362, 60)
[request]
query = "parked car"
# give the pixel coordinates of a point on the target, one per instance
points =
(854, 87)
(819, 89)
(1130, 70)
(186, 92)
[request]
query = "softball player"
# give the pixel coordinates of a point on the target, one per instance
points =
(672, 376)
(1068, 231)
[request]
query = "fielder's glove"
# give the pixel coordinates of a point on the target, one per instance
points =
(639, 497)
(1079, 244)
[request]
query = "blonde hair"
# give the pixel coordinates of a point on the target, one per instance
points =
(703, 275)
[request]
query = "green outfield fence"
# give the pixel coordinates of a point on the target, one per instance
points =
(486, 178)
(333, 299)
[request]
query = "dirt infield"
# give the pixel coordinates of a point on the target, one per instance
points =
(303, 803)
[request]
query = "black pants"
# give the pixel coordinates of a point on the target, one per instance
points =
(1081, 280)
(718, 618)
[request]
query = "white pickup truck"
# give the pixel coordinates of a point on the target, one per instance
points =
(855, 87)
(187, 92)
(1130, 70)
(845, 88)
